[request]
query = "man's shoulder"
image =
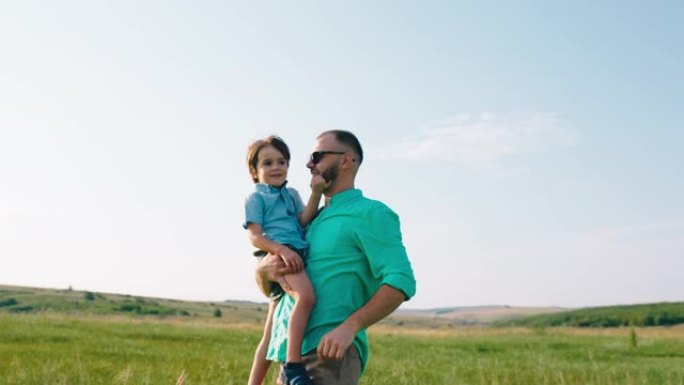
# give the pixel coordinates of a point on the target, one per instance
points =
(369, 205)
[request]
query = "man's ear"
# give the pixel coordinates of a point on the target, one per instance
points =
(347, 160)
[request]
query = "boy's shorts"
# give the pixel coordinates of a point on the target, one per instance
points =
(277, 291)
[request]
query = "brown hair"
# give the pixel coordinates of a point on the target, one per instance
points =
(254, 149)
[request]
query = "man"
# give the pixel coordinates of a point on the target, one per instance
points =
(357, 265)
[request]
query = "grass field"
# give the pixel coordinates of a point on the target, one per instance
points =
(53, 348)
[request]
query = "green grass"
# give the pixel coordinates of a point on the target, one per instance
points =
(550, 358)
(71, 349)
(54, 349)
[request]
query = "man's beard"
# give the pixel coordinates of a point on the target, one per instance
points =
(330, 173)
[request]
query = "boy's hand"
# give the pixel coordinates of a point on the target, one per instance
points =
(293, 262)
(319, 184)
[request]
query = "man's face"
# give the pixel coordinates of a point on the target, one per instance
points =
(328, 166)
(331, 173)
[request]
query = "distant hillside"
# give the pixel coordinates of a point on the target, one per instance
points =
(468, 315)
(482, 314)
(657, 314)
(14, 299)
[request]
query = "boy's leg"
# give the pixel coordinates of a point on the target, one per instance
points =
(299, 287)
(260, 364)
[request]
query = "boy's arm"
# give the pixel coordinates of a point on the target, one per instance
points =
(311, 209)
(318, 184)
(293, 262)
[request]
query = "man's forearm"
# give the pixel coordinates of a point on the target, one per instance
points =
(335, 343)
(383, 303)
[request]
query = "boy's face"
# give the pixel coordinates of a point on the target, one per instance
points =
(271, 167)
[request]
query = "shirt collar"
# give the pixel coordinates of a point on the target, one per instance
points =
(263, 187)
(345, 196)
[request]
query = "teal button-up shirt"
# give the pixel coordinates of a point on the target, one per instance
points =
(355, 246)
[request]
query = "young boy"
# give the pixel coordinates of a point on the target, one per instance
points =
(275, 219)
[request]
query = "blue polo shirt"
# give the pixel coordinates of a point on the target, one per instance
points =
(355, 246)
(275, 209)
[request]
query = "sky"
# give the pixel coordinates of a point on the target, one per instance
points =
(531, 149)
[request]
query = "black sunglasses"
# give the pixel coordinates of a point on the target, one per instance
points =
(317, 156)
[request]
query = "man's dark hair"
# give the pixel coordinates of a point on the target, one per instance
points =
(254, 148)
(348, 139)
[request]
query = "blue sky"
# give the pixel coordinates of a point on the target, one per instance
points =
(531, 149)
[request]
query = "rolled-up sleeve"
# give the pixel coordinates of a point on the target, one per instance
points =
(254, 210)
(379, 237)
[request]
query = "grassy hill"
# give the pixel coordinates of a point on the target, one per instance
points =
(656, 314)
(14, 299)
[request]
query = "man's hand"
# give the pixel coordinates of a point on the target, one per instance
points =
(335, 343)
(272, 267)
(269, 270)
(293, 261)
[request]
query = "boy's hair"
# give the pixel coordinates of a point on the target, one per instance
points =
(254, 149)
(348, 139)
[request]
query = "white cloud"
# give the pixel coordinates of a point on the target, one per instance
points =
(481, 140)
